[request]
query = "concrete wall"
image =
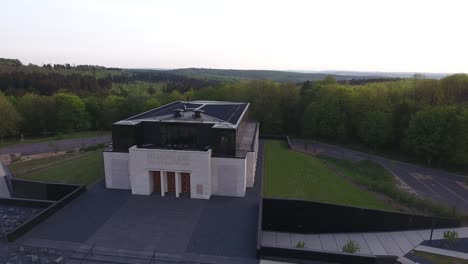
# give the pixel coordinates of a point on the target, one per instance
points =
(252, 163)
(228, 176)
(197, 163)
(250, 170)
(116, 170)
(4, 191)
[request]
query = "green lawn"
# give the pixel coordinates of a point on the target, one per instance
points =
(377, 179)
(18, 168)
(85, 169)
(439, 259)
(82, 134)
(290, 174)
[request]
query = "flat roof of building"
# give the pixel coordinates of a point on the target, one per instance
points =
(221, 114)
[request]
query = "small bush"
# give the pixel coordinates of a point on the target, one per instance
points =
(58, 136)
(351, 246)
(92, 148)
(450, 236)
(300, 244)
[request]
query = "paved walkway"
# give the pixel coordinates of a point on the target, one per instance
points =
(383, 243)
(54, 146)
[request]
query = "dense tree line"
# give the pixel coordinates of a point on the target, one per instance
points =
(17, 79)
(424, 117)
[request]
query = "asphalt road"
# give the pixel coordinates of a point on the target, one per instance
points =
(53, 146)
(439, 186)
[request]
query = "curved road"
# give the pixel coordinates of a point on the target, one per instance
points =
(53, 146)
(439, 186)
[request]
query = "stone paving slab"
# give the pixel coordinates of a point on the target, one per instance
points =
(269, 238)
(284, 239)
(328, 242)
(374, 244)
(403, 243)
(389, 244)
(313, 242)
(413, 237)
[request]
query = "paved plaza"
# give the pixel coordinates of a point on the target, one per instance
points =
(116, 219)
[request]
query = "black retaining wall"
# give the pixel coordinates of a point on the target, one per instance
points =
(312, 256)
(25, 202)
(26, 189)
(300, 216)
(53, 208)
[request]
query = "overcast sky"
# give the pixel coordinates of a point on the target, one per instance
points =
(410, 35)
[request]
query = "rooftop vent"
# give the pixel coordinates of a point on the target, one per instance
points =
(197, 113)
(178, 113)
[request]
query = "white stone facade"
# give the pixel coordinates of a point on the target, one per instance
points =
(208, 175)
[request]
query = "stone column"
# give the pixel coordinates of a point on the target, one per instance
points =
(163, 182)
(177, 184)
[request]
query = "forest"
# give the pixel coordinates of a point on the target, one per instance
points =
(421, 117)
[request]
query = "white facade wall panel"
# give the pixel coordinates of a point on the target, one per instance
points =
(197, 163)
(229, 176)
(116, 170)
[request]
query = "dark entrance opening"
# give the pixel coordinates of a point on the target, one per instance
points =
(156, 181)
(171, 182)
(185, 182)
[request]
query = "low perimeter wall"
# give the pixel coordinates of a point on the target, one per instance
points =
(26, 189)
(311, 256)
(298, 216)
(50, 196)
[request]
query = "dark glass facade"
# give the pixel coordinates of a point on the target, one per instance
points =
(189, 136)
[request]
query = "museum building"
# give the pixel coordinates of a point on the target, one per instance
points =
(191, 148)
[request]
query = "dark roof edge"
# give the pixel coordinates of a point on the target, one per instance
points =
(242, 115)
(154, 109)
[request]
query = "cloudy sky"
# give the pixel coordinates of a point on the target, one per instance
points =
(414, 36)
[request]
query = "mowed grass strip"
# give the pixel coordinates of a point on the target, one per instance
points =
(294, 175)
(22, 167)
(85, 169)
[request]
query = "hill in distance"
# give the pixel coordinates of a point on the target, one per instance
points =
(289, 76)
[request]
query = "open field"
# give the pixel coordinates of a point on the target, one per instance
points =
(86, 168)
(82, 134)
(290, 174)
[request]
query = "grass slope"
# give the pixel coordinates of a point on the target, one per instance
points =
(290, 174)
(377, 179)
(85, 169)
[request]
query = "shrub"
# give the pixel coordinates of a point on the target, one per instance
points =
(95, 147)
(58, 136)
(300, 244)
(351, 246)
(450, 236)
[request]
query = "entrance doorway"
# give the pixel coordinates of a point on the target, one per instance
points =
(156, 181)
(185, 180)
(171, 184)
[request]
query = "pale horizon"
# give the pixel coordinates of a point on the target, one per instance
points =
(366, 36)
